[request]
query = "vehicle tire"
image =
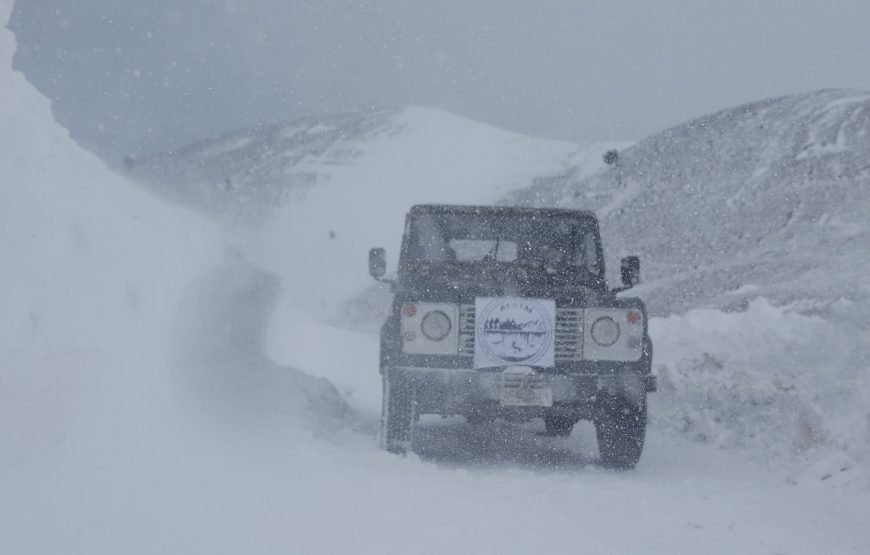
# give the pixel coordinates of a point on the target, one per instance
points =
(397, 412)
(559, 426)
(621, 429)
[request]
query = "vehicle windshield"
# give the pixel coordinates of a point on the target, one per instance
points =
(535, 240)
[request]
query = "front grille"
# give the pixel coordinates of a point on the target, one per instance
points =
(569, 332)
(466, 330)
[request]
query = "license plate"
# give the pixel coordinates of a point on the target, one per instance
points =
(525, 390)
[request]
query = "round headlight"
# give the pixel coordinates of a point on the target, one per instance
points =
(435, 325)
(605, 331)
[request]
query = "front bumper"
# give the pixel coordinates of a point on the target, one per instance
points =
(449, 391)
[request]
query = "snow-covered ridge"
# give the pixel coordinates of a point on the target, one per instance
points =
(249, 171)
(306, 200)
(767, 199)
(245, 175)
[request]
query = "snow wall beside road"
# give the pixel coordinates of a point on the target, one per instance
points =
(789, 388)
(100, 451)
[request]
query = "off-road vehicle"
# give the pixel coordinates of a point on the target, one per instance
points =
(503, 312)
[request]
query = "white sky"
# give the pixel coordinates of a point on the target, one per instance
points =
(155, 74)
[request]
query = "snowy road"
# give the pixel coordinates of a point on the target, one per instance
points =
(340, 494)
(292, 473)
(683, 499)
(503, 489)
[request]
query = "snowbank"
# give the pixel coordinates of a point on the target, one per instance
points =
(94, 443)
(778, 383)
(92, 269)
(111, 300)
(221, 358)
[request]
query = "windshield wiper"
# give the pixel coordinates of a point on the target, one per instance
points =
(492, 255)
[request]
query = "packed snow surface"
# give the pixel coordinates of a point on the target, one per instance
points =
(149, 403)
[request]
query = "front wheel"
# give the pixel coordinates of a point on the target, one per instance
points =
(397, 411)
(621, 429)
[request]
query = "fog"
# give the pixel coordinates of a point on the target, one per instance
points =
(128, 76)
(165, 388)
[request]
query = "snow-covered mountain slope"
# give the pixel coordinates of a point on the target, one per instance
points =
(245, 175)
(306, 200)
(767, 199)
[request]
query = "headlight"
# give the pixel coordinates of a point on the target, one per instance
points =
(605, 331)
(435, 325)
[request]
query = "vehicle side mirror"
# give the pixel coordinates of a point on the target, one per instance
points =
(630, 270)
(377, 262)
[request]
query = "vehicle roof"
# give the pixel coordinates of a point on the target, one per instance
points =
(500, 210)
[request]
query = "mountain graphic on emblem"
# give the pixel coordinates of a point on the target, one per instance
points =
(515, 332)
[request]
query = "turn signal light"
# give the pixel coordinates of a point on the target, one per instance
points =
(409, 310)
(633, 317)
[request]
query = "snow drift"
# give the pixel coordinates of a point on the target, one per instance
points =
(788, 388)
(219, 343)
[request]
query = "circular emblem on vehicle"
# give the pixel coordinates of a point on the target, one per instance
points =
(515, 330)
